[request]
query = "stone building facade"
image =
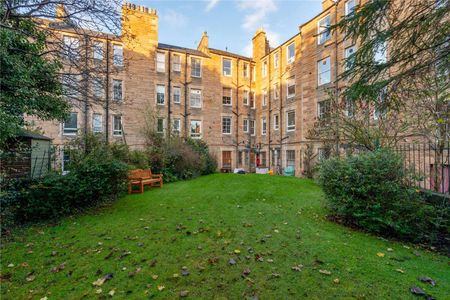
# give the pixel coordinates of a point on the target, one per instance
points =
(249, 110)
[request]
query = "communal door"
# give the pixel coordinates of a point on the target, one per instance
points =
(226, 160)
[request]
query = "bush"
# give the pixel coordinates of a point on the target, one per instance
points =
(177, 159)
(95, 176)
(370, 191)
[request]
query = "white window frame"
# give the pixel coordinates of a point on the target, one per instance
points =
(158, 92)
(229, 127)
(114, 90)
(192, 67)
(97, 51)
(223, 96)
(349, 9)
(251, 128)
(176, 88)
(199, 136)
(99, 127)
(264, 69)
(291, 127)
(226, 72)
(71, 85)
(174, 128)
(276, 121)
(276, 91)
(176, 66)
(158, 120)
(117, 132)
(117, 55)
(276, 60)
(320, 114)
(380, 53)
(245, 125)
(245, 70)
(347, 55)
(320, 72)
(290, 59)
(289, 83)
(323, 31)
(263, 126)
(160, 62)
(98, 89)
(190, 98)
(71, 131)
(246, 98)
(71, 47)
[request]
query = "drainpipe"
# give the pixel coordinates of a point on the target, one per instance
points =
(336, 77)
(86, 87)
(280, 155)
(169, 101)
(185, 84)
(270, 110)
(107, 92)
(237, 112)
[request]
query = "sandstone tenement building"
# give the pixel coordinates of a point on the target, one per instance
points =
(247, 109)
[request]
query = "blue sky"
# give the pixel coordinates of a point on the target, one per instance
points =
(230, 23)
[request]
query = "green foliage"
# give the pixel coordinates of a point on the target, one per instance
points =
(370, 190)
(177, 159)
(29, 82)
(94, 177)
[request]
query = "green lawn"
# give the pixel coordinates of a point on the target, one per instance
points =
(145, 240)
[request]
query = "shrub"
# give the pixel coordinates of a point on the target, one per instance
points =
(370, 190)
(95, 176)
(177, 159)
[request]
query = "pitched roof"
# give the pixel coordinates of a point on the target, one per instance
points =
(181, 49)
(226, 53)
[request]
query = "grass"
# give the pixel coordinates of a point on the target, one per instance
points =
(144, 241)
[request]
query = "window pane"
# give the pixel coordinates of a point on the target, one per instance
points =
(226, 67)
(226, 98)
(117, 125)
(195, 67)
(196, 129)
(160, 94)
(117, 90)
(118, 55)
(324, 71)
(97, 48)
(70, 125)
(160, 62)
(97, 123)
(177, 63)
(176, 94)
(196, 98)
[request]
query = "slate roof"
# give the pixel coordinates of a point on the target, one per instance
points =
(181, 49)
(226, 53)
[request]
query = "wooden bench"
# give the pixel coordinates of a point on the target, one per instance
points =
(141, 178)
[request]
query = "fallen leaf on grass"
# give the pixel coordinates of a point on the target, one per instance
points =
(231, 262)
(161, 287)
(112, 292)
(297, 268)
(237, 251)
(427, 280)
(417, 291)
(154, 276)
(102, 280)
(326, 272)
(275, 275)
(184, 294)
(98, 291)
(58, 268)
(24, 264)
(246, 272)
(336, 280)
(380, 254)
(400, 271)
(30, 277)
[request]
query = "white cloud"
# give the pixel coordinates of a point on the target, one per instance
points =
(258, 12)
(211, 4)
(174, 19)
